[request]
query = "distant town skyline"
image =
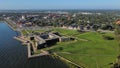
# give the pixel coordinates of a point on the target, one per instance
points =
(59, 4)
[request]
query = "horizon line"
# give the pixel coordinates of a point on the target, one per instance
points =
(55, 9)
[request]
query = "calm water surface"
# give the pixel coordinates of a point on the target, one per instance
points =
(14, 55)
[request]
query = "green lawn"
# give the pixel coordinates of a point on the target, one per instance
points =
(65, 31)
(25, 32)
(61, 31)
(97, 52)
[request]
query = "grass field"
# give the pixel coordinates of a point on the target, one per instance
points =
(25, 32)
(66, 31)
(97, 52)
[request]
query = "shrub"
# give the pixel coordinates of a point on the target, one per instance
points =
(108, 37)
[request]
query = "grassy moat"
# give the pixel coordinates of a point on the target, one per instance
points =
(90, 49)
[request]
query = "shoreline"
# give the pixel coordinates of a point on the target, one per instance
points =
(44, 53)
(10, 25)
(12, 28)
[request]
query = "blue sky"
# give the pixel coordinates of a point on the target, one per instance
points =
(59, 4)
